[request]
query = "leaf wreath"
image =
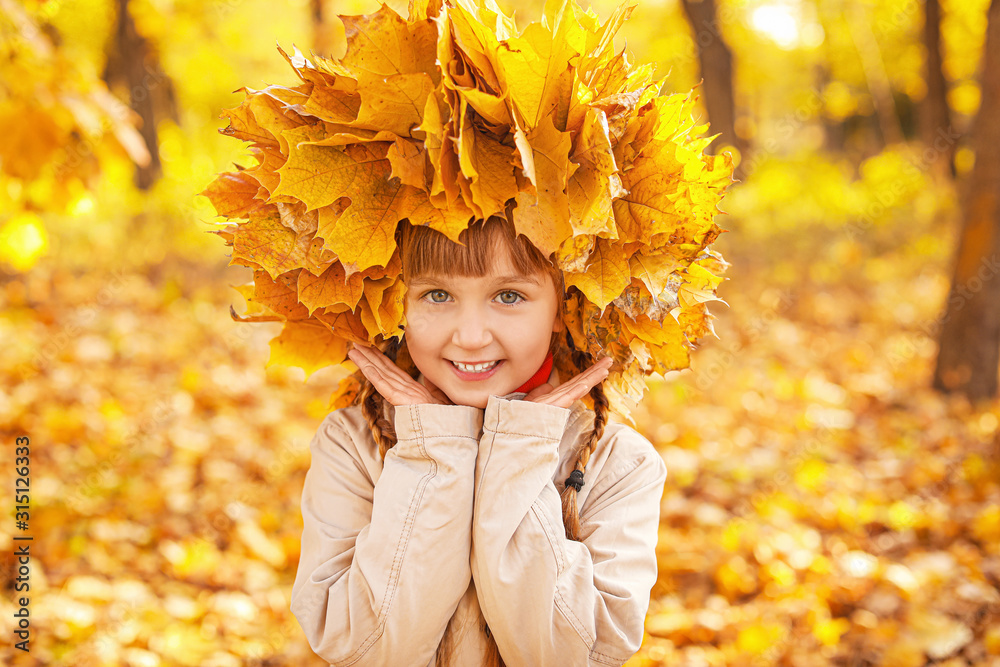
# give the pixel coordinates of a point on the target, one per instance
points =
(453, 115)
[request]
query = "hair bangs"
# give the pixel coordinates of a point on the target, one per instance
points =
(427, 252)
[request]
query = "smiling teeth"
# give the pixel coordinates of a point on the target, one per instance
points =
(476, 368)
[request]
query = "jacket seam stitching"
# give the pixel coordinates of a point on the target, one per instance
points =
(573, 619)
(527, 435)
(605, 658)
(585, 516)
(549, 535)
(395, 569)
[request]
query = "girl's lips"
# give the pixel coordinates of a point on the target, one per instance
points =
(473, 377)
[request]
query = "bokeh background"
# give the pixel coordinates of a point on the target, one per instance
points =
(833, 494)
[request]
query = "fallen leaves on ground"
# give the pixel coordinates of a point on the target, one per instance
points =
(822, 506)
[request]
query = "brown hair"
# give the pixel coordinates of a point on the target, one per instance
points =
(425, 251)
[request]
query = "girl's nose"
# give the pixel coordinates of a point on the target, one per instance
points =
(473, 331)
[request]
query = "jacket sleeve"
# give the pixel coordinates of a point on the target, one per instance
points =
(549, 600)
(383, 566)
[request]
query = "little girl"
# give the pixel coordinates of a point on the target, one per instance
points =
(469, 509)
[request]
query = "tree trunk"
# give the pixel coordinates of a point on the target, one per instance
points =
(935, 120)
(969, 339)
(716, 62)
(322, 30)
(128, 64)
(876, 76)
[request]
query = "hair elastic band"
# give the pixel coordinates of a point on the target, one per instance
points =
(575, 480)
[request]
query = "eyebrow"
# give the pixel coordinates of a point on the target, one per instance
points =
(524, 280)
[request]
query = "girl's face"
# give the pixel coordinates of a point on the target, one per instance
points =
(500, 317)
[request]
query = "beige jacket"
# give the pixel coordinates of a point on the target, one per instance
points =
(465, 515)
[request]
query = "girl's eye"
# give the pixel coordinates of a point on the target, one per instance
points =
(511, 292)
(513, 297)
(437, 291)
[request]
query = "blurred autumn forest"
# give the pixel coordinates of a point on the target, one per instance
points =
(834, 457)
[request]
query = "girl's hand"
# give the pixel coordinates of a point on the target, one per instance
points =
(391, 381)
(573, 389)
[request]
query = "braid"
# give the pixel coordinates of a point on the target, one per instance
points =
(571, 515)
(373, 404)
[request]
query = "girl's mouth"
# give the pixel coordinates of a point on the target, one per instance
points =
(476, 371)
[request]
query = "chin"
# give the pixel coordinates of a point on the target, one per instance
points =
(471, 401)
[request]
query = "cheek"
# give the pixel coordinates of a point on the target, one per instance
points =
(422, 335)
(419, 323)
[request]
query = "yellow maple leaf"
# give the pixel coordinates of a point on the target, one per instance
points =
(308, 346)
(266, 243)
(654, 270)
(485, 162)
(663, 343)
(243, 124)
(363, 235)
(332, 286)
(383, 44)
(409, 163)
(268, 110)
(280, 294)
(537, 61)
(332, 98)
(233, 194)
(435, 110)
(346, 392)
(393, 103)
(543, 216)
(574, 253)
(382, 308)
(594, 183)
(648, 208)
(269, 160)
(254, 307)
(345, 323)
(298, 219)
(607, 276)
(318, 175)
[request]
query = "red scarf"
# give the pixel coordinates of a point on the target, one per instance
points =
(540, 377)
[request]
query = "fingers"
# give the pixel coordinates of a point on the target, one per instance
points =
(395, 385)
(576, 387)
(540, 390)
(594, 375)
(603, 365)
(376, 367)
